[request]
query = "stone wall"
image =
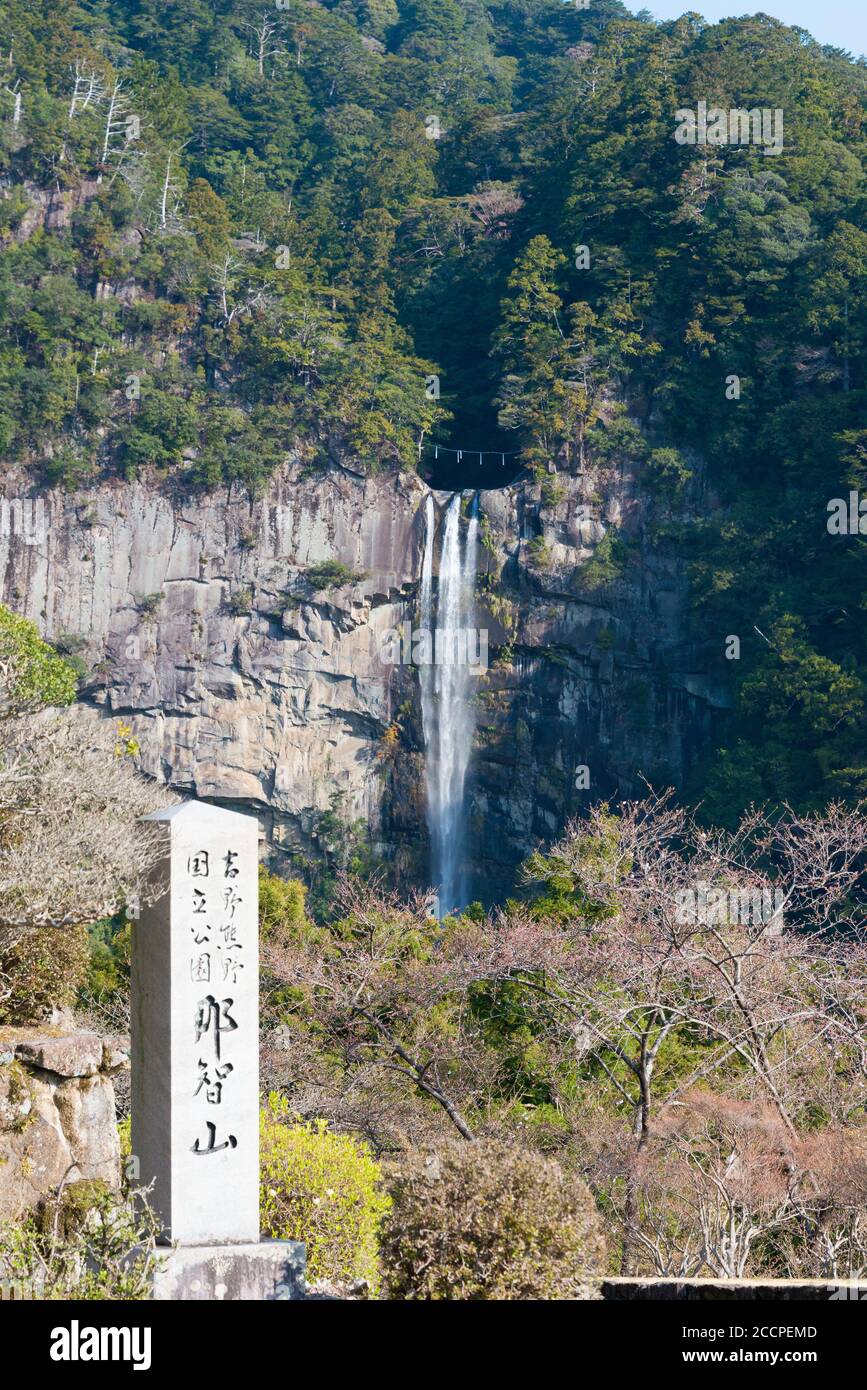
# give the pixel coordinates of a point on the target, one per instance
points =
(57, 1113)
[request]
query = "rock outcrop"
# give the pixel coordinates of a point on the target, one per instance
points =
(244, 681)
(242, 640)
(599, 683)
(57, 1114)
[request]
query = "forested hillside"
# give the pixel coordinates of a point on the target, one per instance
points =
(230, 229)
(326, 326)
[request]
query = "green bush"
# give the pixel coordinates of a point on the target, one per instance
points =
(605, 565)
(72, 647)
(240, 601)
(281, 904)
(488, 1221)
(668, 472)
(331, 574)
(87, 1243)
(324, 1189)
(282, 921)
(109, 943)
(69, 467)
(32, 675)
(540, 553)
(158, 433)
(42, 969)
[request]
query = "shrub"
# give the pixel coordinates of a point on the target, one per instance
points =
(72, 848)
(69, 468)
(331, 574)
(88, 1243)
(282, 920)
(73, 649)
(158, 433)
(540, 553)
(605, 565)
(553, 490)
(32, 675)
(487, 1220)
(281, 904)
(109, 942)
(668, 472)
(240, 602)
(620, 437)
(324, 1189)
(41, 969)
(147, 604)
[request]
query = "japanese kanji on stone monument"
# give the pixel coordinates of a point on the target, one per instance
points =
(195, 1025)
(195, 1041)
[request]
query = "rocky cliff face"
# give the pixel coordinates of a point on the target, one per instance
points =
(241, 639)
(601, 685)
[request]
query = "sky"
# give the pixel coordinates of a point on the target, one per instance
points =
(839, 22)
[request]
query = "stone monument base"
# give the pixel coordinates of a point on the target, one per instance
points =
(269, 1269)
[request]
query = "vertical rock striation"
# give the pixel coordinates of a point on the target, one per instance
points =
(242, 639)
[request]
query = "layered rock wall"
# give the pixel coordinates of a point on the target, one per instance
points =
(253, 677)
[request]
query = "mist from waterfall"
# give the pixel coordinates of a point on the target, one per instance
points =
(448, 716)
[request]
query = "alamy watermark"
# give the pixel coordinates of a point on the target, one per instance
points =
(743, 907)
(77, 1343)
(417, 646)
(24, 518)
(848, 518)
(760, 126)
(22, 1290)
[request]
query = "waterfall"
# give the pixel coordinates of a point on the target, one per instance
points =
(447, 713)
(426, 670)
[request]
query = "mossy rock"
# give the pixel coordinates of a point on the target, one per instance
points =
(16, 1100)
(70, 1210)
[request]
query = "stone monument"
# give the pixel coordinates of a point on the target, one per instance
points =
(195, 1062)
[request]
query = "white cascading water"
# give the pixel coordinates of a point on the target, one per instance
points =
(426, 672)
(448, 716)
